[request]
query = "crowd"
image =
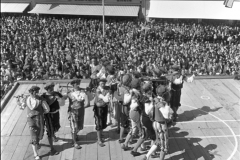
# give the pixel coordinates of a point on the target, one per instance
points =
(47, 47)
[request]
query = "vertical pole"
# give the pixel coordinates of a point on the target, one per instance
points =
(103, 18)
(103, 21)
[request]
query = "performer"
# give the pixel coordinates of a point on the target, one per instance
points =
(176, 87)
(162, 113)
(101, 109)
(36, 108)
(146, 102)
(134, 112)
(78, 100)
(52, 118)
(125, 99)
(112, 84)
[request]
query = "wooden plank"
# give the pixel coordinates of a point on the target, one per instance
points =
(175, 152)
(115, 150)
(182, 144)
(14, 118)
(81, 153)
(225, 131)
(10, 147)
(9, 109)
(230, 97)
(91, 151)
(4, 141)
(230, 85)
(68, 150)
(208, 108)
(213, 101)
(19, 153)
(104, 152)
(220, 98)
(29, 153)
(219, 152)
(21, 124)
(236, 83)
(195, 102)
(225, 144)
(45, 148)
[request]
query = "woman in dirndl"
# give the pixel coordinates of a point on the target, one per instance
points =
(36, 108)
(78, 100)
(101, 109)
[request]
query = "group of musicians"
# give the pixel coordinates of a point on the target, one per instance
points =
(143, 107)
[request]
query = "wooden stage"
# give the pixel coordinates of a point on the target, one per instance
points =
(208, 128)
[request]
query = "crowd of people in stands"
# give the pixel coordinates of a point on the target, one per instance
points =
(47, 47)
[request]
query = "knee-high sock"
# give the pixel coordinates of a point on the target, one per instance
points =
(129, 136)
(74, 137)
(34, 147)
(121, 132)
(138, 144)
(152, 149)
(99, 135)
(162, 155)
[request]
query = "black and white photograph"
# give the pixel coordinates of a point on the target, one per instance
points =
(120, 79)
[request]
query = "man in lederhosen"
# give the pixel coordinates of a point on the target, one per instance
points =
(125, 104)
(162, 113)
(146, 102)
(78, 100)
(101, 109)
(134, 113)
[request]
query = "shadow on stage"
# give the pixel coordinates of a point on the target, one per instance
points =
(193, 114)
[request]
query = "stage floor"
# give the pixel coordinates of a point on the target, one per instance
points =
(208, 128)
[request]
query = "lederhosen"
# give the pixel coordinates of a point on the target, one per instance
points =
(134, 115)
(125, 113)
(146, 121)
(35, 120)
(52, 119)
(76, 115)
(176, 93)
(100, 112)
(160, 124)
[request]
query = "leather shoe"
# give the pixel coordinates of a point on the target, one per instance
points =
(135, 153)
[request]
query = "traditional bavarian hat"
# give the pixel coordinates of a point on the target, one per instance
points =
(34, 88)
(48, 85)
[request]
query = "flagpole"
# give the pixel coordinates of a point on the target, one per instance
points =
(103, 18)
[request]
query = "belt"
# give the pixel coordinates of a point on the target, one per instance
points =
(54, 112)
